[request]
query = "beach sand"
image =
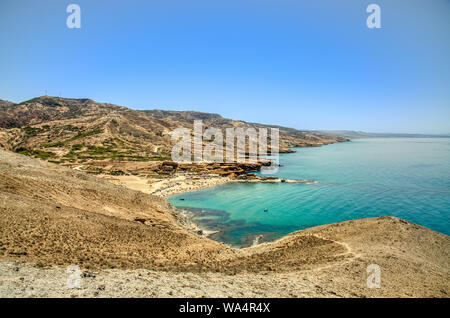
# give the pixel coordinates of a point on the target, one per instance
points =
(168, 186)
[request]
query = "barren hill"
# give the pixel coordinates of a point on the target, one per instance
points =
(83, 132)
(53, 215)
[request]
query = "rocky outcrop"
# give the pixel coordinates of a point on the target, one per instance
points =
(168, 167)
(222, 169)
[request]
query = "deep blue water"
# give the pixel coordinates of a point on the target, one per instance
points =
(404, 177)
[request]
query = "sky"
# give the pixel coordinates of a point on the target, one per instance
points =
(302, 64)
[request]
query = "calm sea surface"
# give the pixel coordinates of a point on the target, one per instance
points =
(404, 177)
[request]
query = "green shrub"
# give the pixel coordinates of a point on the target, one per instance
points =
(117, 173)
(54, 144)
(77, 147)
(31, 131)
(70, 154)
(36, 153)
(86, 134)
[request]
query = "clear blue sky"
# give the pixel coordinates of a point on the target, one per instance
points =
(308, 65)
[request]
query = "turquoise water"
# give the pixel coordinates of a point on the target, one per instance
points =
(405, 177)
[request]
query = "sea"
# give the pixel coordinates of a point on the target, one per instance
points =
(404, 177)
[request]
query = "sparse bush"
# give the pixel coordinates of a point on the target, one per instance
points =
(54, 144)
(70, 154)
(36, 153)
(31, 131)
(117, 172)
(86, 134)
(77, 147)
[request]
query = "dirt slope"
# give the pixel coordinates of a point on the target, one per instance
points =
(51, 215)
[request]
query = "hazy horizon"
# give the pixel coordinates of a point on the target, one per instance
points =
(311, 66)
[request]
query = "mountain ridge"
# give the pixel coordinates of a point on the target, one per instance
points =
(81, 131)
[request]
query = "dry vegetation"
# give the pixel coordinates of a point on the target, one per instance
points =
(52, 215)
(81, 132)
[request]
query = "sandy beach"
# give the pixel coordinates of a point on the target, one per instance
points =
(183, 182)
(168, 186)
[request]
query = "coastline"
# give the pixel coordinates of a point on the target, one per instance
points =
(179, 183)
(191, 182)
(55, 216)
(167, 187)
(188, 182)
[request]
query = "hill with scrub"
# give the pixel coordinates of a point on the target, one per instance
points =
(86, 134)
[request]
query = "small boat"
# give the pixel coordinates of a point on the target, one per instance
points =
(181, 199)
(266, 209)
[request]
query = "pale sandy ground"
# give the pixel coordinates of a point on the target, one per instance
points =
(26, 280)
(170, 185)
(180, 183)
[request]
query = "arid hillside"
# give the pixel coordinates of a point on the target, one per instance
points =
(53, 215)
(87, 134)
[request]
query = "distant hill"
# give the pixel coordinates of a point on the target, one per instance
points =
(361, 134)
(82, 131)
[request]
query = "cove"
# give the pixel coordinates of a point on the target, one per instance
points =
(404, 177)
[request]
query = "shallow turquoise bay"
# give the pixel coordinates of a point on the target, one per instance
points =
(404, 177)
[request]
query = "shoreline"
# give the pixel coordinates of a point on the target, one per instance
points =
(188, 182)
(191, 182)
(179, 183)
(164, 188)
